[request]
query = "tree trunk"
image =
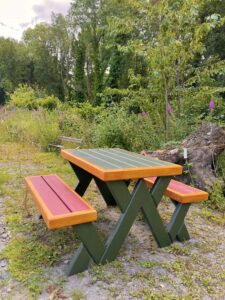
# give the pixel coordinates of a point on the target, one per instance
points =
(203, 148)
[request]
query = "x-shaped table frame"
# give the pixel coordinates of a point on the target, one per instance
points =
(141, 199)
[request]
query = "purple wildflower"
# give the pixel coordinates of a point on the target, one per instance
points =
(144, 114)
(169, 108)
(211, 105)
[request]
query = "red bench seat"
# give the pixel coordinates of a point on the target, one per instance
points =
(59, 205)
(181, 192)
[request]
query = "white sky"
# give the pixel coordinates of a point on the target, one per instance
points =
(17, 15)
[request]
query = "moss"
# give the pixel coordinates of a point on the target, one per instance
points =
(151, 264)
(26, 260)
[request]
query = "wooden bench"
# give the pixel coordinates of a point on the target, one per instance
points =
(182, 196)
(181, 192)
(60, 206)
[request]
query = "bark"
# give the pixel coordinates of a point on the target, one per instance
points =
(204, 146)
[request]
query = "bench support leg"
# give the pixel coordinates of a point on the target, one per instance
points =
(176, 225)
(79, 262)
(92, 247)
(182, 234)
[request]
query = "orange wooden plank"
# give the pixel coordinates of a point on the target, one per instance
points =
(181, 192)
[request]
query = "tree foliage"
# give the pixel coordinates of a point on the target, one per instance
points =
(145, 55)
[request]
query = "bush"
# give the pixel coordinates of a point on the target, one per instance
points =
(132, 132)
(26, 97)
(72, 124)
(39, 128)
(23, 97)
(49, 102)
(88, 112)
(216, 196)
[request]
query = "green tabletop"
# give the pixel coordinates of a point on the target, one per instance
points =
(117, 164)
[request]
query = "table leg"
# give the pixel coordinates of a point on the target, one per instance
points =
(105, 192)
(156, 193)
(92, 247)
(84, 181)
(83, 177)
(139, 200)
(79, 262)
(120, 192)
(130, 204)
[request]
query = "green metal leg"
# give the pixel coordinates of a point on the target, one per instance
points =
(92, 246)
(91, 240)
(158, 189)
(140, 199)
(79, 262)
(156, 193)
(83, 177)
(120, 192)
(177, 220)
(182, 234)
(123, 226)
(105, 192)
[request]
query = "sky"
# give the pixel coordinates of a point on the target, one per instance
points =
(17, 15)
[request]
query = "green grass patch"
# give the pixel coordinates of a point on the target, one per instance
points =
(4, 177)
(26, 260)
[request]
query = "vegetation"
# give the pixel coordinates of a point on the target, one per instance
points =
(131, 74)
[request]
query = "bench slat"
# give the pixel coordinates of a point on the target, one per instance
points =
(72, 202)
(59, 205)
(52, 201)
(181, 192)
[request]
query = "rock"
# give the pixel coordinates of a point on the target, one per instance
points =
(2, 264)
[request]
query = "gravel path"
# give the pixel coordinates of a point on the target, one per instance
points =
(4, 239)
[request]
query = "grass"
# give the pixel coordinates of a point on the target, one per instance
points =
(32, 247)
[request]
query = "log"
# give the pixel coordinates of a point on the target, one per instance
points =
(203, 148)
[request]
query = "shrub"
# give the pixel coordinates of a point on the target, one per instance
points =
(39, 128)
(26, 97)
(49, 102)
(216, 196)
(130, 131)
(88, 112)
(23, 97)
(72, 124)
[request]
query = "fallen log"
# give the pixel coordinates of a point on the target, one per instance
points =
(203, 148)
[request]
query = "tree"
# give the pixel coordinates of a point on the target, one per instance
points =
(87, 22)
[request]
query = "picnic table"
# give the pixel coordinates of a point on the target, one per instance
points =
(112, 171)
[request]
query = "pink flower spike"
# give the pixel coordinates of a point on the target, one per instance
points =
(169, 109)
(144, 114)
(211, 105)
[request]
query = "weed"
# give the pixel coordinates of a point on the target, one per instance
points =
(216, 196)
(77, 295)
